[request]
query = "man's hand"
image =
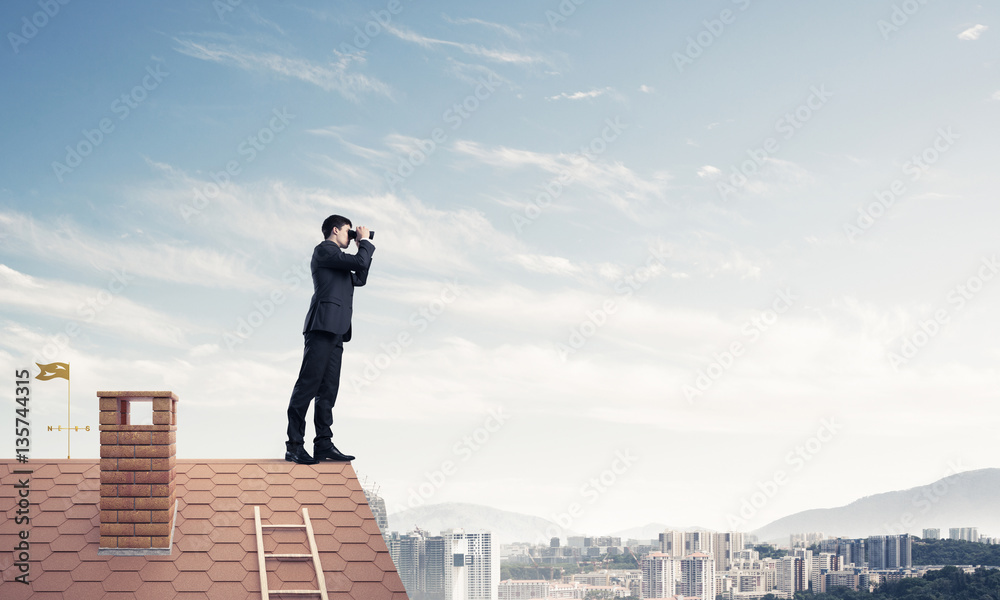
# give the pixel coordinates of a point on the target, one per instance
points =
(362, 235)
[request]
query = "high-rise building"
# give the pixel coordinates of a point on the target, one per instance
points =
(969, 534)
(791, 576)
(877, 553)
(377, 505)
(658, 576)
(698, 541)
(480, 562)
(822, 564)
(850, 551)
(408, 562)
(807, 564)
(726, 545)
(890, 551)
(899, 551)
(437, 561)
(672, 543)
(698, 576)
(456, 579)
(931, 534)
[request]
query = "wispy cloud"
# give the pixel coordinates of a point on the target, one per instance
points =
(335, 75)
(496, 55)
(277, 219)
(100, 308)
(347, 176)
(504, 29)
(621, 186)
(360, 151)
(586, 95)
(972, 33)
(549, 265)
(71, 244)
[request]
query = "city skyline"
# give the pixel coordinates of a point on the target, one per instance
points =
(643, 264)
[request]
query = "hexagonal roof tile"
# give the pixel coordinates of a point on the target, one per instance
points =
(62, 561)
(227, 552)
(192, 581)
(223, 535)
(215, 548)
(227, 590)
(159, 571)
(227, 571)
(155, 589)
(91, 571)
(52, 581)
(193, 561)
(122, 581)
(200, 471)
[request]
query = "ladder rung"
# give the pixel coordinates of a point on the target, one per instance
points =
(262, 556)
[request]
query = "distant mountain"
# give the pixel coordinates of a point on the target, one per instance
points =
(967, 499)
(507, 527)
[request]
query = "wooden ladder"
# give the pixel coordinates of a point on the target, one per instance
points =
(313, 554)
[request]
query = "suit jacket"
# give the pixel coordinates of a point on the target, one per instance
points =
(335, 275)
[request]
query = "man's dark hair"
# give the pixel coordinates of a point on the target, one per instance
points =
(334, 222)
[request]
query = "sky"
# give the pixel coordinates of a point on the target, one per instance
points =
(695, 263)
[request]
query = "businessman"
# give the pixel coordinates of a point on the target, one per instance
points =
(328, 325)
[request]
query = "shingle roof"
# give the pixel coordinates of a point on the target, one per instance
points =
(215, 548)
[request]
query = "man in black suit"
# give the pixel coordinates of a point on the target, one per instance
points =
(328, 325)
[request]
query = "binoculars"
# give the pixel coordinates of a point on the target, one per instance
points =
(351, 234)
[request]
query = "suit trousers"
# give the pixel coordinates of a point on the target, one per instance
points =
(319, 378)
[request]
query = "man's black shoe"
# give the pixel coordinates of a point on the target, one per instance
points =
(332, 453)
(299, 455)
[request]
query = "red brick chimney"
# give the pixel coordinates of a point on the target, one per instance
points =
(138, 464)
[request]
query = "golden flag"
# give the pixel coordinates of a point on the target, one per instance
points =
(53, 370)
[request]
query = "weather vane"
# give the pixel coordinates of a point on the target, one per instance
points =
(51, 371)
